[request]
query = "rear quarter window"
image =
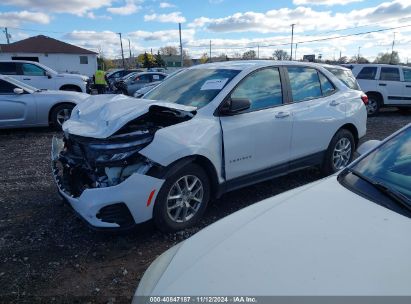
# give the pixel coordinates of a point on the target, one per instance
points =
(346, 77)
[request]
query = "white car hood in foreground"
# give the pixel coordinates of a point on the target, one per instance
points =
(100, 116)
(317, 240)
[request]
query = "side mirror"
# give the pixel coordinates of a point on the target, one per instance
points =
(48, 75)
(18, 91)
(367, 146)
(235, 105)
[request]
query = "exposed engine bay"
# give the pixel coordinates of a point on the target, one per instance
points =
(85, 162)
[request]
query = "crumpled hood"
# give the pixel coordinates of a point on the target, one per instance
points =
(321, 239)
(100, 116)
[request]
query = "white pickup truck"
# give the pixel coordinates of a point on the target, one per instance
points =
(43, 77)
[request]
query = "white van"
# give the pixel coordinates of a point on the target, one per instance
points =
(385, 85)
(43, 77)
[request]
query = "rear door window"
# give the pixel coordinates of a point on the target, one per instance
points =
(8, 68)
(390, 74)
(305, 83)
(367, 73)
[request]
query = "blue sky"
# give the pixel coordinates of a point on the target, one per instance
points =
(233, 26)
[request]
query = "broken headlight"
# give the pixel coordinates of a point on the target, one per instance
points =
(108, 157)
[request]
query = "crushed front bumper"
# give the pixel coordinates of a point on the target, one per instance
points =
(138, 193)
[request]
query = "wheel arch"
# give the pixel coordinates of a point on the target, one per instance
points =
(64, 87)
(377, 94)
(353, 129)
(197, 159)
(57, 105)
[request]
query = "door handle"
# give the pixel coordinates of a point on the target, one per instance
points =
(282, 114)
(26, 78)
(382, 84)
(334, 103)
(408, 86)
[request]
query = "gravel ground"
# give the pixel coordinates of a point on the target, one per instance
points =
(48, 254)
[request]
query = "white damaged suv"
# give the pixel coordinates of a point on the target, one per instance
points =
(208, 130)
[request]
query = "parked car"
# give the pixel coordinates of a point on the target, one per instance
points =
(208, 130)
(42, 77)
(117, 74)
(22, 105)
(137, 81)
(385, 85)
(140, 93)
(341, 236)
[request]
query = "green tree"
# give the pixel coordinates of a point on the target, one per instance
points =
(249, 55)
(158, 60)
(392, 58)
(145, 60)
(204, 58)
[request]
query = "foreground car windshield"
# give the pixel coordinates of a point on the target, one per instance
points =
(390, 164)
(196, 87)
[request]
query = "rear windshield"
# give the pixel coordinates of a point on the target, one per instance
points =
(193, 87)
(346, 77)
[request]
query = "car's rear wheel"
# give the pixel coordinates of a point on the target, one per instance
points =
(340, 152)
(60, 114)
(182, 199)
(374, 105)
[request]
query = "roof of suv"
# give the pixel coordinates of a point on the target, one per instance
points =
(247, 64)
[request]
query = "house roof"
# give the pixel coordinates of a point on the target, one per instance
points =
(42, 44)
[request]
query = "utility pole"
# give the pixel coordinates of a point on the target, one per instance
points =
(181, 46)
(258, 51)
(392, 49)
(122, 52)
(292, 40)
(210, 50)
(340, 54)
(7, 35)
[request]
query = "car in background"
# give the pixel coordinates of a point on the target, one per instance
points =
(136, 81)
(345, 235)
(44, 78)
(210, 129)
(140, 93)
(117, 74)
(386, 85)
(22, 105)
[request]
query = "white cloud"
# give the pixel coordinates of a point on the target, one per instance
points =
(77, 7)
(16, 18)
(174, 17)
(91, 15)
(306, 19)
(167, 35)
(129, 8)
(166, 5)
(324, 2)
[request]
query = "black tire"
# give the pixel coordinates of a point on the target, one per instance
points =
(55, 118)
(329, 165)
(162, 219)
(374, 105)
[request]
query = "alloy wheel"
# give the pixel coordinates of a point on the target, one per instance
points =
(185, 198)
(372, 106)
(342, 153)
(62, 116)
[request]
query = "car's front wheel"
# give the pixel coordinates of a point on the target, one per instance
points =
(60, 114)
(340, 152)
(182, 199)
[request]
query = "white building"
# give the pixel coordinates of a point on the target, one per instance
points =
(58, 55)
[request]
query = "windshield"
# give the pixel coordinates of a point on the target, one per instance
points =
(346, 77)
(390, 164)
(20, 84)
(193, 87)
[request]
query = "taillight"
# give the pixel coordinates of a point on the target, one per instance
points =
(364, 99)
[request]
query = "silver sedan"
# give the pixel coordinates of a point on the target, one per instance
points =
(22, 105)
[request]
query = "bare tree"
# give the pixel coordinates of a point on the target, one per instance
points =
(168, 50)
(281, 55)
